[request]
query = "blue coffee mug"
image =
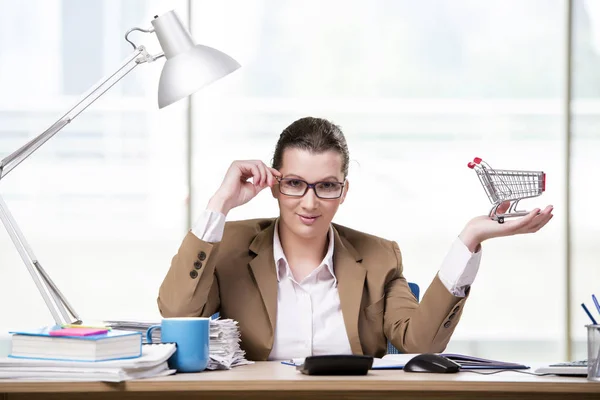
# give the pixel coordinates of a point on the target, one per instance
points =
(192, 336)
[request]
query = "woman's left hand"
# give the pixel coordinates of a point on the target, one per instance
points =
(483, 228)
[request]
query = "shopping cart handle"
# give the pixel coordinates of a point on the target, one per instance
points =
(476, 161)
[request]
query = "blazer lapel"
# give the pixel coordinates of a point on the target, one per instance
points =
(350, 275)
(263, 269)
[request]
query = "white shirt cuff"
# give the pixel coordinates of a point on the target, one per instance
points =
(209, 226)
(459, 268)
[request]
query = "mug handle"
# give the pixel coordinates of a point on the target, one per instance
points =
(149, 333)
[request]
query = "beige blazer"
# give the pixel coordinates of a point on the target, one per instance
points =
(237, 277)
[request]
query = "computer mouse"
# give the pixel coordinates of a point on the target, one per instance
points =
(429, 362)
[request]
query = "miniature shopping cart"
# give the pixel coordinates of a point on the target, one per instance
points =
(502, 185)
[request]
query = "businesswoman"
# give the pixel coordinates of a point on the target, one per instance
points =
(301, 285)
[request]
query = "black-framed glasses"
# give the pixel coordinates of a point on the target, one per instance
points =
(297, 188)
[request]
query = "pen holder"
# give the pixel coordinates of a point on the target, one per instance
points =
(593, 347)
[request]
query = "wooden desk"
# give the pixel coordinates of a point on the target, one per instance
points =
(277, 381)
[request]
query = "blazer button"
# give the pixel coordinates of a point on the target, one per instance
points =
(456, 309)
(193, 274)
(451, 316)
(446, 325)
(202, 256)
(197, 265)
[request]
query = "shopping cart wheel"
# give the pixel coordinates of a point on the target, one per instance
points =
(500, 220)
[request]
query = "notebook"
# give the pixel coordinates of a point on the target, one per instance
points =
(110, 345)
(574, 368)
(465, 362)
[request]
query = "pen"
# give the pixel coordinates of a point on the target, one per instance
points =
(589, 314)
(596, 302)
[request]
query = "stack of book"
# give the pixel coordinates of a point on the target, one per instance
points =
(76, 344)
(84, 354)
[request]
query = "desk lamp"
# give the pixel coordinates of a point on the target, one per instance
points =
(188, 68)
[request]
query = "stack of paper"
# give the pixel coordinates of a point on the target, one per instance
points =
(152, 363)
(225, 351)
(136, 326)
(224, 347)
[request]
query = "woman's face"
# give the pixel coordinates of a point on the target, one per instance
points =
(309, 216)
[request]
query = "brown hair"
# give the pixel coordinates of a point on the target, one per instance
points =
(316, 135)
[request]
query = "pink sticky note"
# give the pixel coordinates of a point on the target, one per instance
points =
(78, 332)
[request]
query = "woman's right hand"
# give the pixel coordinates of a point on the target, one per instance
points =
(236, 189)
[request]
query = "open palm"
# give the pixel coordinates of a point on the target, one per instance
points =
(484, 227)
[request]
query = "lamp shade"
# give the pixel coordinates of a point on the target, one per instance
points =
(189, 66)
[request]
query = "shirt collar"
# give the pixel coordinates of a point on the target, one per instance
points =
(279, 255)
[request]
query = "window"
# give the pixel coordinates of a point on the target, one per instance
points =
(585, 221)
(103, 204)
(419, 88)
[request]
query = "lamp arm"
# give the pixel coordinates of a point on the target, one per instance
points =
(140, 55)
(55, 301)
(62, 312)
